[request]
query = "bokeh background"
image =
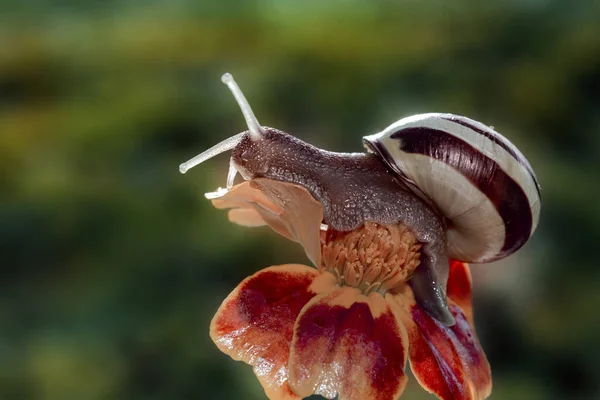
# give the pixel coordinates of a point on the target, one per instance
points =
(112, 263)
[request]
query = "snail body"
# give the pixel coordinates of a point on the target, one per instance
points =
(464, 190)
(353, 188)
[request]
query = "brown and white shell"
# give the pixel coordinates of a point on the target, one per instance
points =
(477, 178)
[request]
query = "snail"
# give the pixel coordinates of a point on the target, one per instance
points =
(465, 191)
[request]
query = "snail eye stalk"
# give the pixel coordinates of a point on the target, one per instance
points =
(227, 144)
(256, 131)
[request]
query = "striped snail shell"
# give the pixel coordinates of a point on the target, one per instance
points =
(477, 179)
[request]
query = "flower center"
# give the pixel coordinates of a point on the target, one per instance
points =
(371, 258)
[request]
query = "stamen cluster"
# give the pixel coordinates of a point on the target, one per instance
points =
(373, 258)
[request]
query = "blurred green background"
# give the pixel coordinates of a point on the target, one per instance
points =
(113, 263)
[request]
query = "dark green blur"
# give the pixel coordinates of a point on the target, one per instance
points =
(112, 263)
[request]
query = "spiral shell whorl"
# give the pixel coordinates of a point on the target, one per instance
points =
(478, 180)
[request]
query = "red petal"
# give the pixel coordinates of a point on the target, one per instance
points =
(459, 287)
(351, 344)
(448, 361)
(255, 323)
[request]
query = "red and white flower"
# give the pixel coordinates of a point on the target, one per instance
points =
(348, 326)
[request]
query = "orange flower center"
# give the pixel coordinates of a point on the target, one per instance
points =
(372, 258)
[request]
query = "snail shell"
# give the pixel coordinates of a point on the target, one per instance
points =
(476, 178)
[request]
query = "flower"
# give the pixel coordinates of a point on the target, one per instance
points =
(347, 327)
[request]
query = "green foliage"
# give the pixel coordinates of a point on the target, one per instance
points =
(113, 263)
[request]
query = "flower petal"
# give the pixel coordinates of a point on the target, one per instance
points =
(241, 196)
(458, 288)
(246, 217)
(244, 198)
(348, 343)
(255, 323)
(447, 361)
(288, 209)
